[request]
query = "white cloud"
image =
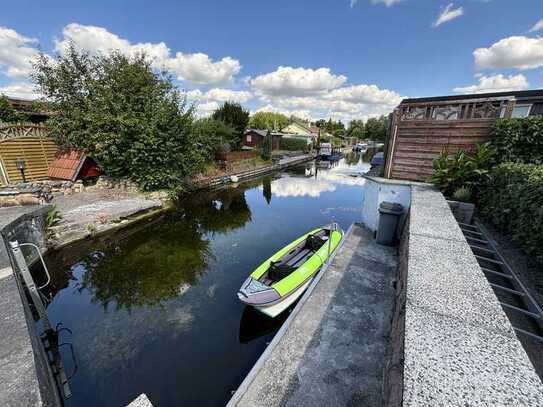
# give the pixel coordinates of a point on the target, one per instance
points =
(537, 26)
(228, 95)
(513, 52)
(300, 113)
(448, 14)
(345, 103)
(198, 67)
(288, 81)
(366, 94)
(21, 90)
(387, 3)
(207, 102)
(496, 83)
(207, 108)
(16, 53)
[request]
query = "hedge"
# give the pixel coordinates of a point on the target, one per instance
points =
(519, 140)
(513, 201)
(292, 144)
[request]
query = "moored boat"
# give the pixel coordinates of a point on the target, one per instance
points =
(284, 277)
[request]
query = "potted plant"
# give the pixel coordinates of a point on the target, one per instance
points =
(458, 178)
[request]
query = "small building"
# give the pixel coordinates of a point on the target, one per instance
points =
(420, 129)
(254, 137)
(300, 131)
(28, 107)
(73, 165)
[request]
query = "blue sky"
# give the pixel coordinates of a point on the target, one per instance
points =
(340, 58)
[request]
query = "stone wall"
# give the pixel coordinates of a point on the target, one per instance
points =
(37, 193)
(42, 192)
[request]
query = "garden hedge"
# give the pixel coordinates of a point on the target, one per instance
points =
(512, 200)
(519, 140)
(292, 144)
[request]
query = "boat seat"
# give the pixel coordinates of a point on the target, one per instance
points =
(302, 254)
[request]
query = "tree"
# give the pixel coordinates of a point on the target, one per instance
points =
(236, 116)
(133, 121)
(356, 129)
(8, 114)
(376, 128)
(268, 121)
(266, 147)
(210, 134)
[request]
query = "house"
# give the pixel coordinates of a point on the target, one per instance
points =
(299, 131)
(254, 137)
(28, 107)
(420, 129)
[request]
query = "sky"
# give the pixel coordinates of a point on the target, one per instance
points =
(340, 59)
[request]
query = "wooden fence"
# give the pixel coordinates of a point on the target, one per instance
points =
(30, 143)
(420, 132)
(236, 155)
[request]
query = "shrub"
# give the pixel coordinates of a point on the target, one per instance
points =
(133, 121)
(292, 144)
(519, 140)
(266, 147)
(234, 115)
(53, 217)
(513, 201)
(462, 170)
(211, 136)
(462, 194)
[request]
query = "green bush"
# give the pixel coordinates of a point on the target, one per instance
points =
(117, 109)
(513, 201)
(519, 140)
(266, 147)
(292, 144)
(462, 170)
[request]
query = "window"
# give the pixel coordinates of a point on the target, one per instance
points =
(248, 138)
(521, 111)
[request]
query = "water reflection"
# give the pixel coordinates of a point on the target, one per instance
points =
(254, 324)
(153, 307)
(325, 178)
(149, 268)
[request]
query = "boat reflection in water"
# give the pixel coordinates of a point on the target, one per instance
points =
(254, 324)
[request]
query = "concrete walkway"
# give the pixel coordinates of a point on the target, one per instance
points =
(81, 213)
(332, 351)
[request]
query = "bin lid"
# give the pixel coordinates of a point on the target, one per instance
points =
(391, 208)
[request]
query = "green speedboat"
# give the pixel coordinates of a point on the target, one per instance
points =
(283, 278)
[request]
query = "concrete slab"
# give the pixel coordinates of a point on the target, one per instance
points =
(141, 401)
(452, 363)
(332, 352)
(18, 381)
(445, 278)
(459, 346)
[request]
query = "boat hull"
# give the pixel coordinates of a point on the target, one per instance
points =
(271, 295)
(275, 309)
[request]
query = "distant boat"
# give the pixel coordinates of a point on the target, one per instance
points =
(377, 159)
(284, 277)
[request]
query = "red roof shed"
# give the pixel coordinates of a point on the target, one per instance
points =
(73, 165)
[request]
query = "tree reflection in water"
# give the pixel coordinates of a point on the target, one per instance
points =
(161, 261)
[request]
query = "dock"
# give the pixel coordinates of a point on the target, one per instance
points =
(331, 350)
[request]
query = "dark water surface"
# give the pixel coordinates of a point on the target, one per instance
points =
(154, 309)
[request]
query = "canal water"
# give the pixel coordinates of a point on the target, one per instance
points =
(154, 309)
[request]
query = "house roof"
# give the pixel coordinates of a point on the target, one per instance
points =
(296, 128)
(67, 165)
(523, 94)
(260, 132)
